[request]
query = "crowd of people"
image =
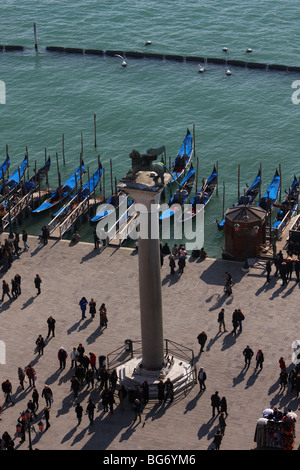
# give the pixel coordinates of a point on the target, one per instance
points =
(87, 375)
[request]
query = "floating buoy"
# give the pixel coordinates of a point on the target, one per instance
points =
(248, 50)
(228, 72)
(201, 69)
(147, 43)
(224, 49)
(124, 63)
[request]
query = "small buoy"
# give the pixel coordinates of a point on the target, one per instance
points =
(147, 43)
(228, 72)
(224, 49)
(201, 69)
(124, 63)
(248, 50)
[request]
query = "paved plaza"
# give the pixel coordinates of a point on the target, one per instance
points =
(191, 303)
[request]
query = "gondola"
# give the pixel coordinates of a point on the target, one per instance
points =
(267, 201)
(290, 203)
(4, 167)
(183, 159)
(247, 198)
(82, 193)
(63, 191)
(180, 196)
(203, 196)
(109, 205)
(36, 179)
(11, 183)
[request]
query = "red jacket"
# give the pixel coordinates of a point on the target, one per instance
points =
(93, 359)
(30, 372)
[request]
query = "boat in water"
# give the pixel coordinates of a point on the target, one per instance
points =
(180, 196)
(202, 197)
(247, 198)
(183, 159)
(61, 193)
(270, 196)
(82, 193)
(15, 179)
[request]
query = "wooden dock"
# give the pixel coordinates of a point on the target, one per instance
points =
(60, 224)
(26, 202)
(121, 230)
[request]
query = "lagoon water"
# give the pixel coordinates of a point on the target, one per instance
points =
(245, 119)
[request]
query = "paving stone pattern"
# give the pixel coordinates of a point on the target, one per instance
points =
(191, 303)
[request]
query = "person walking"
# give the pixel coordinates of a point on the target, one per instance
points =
(259, 359)
(215, 403)
(5, 291)
(111, 400)
(79, 413)
(235, 321)
(228, 284)
(40, 344)
(45, 234)
(21, 377)
(169, 390)
(92, 305)
(222, 423)
(14, 288)
(7, 390)
(248, 354)
(62, 357)
(24, 239)
(31, 408)
(283, 379)
(221, 320)
(90, 409)
(35, 399)
(137, 410)
(47, 417)
(202, 379)
(283, 273)
(161, 391)
(292, 378)
(18, 281)
(122, 394)
(217, 439)
(181, 263)
(75, 385)
(282, 363)
(48, 395)
(223, 406)
(81, 351)
(113, 379)
(90, 378)
(51, 326)
(172, 263)
(74, 357)
(37, 283)
(83, 304)
(145, 391)
(103, 315)
(93, 360)
(240, 318)
(31, 374)
(202, 338)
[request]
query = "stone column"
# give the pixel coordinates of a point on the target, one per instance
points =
(150, 279)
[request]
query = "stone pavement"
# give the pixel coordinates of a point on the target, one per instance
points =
(190, 303)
